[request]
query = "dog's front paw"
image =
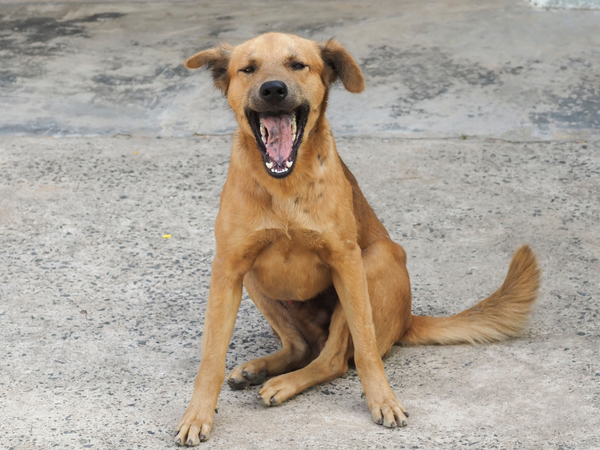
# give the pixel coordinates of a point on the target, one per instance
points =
(388, 412)
(193, 429)
(245, 375)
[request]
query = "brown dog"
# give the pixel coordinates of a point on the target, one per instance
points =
(295, 230)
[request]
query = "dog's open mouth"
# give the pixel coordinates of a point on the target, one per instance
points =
(278, 136)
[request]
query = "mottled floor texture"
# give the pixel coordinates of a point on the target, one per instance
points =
(478, 132)
(101, 317)
(434, 69)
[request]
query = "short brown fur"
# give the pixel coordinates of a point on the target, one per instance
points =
(313, 256)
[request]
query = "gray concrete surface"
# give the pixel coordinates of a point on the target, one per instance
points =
(101, 317)
(434, 69)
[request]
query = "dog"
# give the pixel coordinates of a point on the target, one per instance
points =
(294, 228)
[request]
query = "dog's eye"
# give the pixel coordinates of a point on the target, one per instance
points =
(298, 66)
(249, 69)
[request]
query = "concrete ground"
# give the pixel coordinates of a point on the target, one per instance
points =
(478, 132)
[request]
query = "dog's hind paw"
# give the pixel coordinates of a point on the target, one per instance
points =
(237, 385)
(241, 378)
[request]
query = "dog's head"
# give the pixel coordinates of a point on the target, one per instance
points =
(277, 86)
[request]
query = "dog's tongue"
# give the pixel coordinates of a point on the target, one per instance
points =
(279, 139)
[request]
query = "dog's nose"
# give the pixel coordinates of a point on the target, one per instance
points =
(273, 92)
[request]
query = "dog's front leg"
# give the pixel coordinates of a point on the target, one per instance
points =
(223, 304)
(350, 281)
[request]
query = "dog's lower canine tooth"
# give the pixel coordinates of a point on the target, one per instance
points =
(289, 163)
(269, 165)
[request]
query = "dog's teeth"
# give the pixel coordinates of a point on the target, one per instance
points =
(263, 133)
(294, 127)
(269, 165)
(293, 137)
(289, 164)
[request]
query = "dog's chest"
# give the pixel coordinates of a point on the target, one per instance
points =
(303, 210)
(290, 267)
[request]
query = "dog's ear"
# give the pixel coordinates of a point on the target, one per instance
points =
(340, 65)
(217, 60)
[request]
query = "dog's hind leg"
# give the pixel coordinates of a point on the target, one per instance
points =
(389, 291)
(295, 352)
(331, 363)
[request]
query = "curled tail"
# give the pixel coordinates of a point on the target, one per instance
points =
(502, 315)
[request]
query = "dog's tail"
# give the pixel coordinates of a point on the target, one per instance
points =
(502, 315)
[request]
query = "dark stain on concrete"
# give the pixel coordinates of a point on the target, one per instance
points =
(426, 72)
(310, 29)
(38, 127)
(33, 36)
(179, 71)
(144, 90)
(39, 29)
(7, 78)
(579, 108)
(26, 44)
(217, 31)
(422, 63)
(100, 17)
